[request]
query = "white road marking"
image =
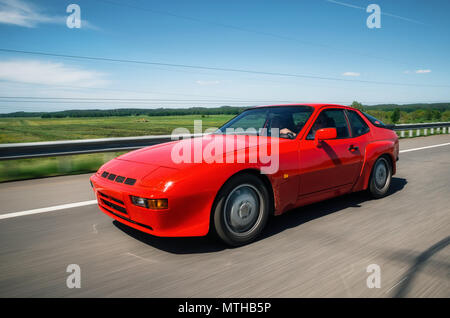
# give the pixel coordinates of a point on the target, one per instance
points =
(387, 292)
(49, 209)
(427, 147)
(142, 258)
(83, 203)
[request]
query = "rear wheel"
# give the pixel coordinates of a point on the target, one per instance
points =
(380, 179)
(241, 210)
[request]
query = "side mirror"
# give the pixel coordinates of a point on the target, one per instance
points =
(325, 134)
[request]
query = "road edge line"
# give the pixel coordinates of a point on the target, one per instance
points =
(48, 209)
(426, 147)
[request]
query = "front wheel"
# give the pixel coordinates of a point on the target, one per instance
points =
(241, 210)
(380, 179)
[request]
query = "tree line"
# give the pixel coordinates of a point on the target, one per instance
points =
(410, 113)
(224, 110)
(388, 113)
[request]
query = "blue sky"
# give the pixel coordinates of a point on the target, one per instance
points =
(316, 38)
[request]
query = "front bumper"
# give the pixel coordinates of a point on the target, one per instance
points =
(187, 215)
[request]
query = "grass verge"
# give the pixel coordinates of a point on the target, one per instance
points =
(22, 169)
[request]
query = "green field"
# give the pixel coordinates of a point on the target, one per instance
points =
(49, 129)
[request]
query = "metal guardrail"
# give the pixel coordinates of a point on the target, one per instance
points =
(415, 130)
(421, 126)
(76, 147)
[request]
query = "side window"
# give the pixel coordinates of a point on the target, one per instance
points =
(300, 118)
(330, 118)
(359, 127)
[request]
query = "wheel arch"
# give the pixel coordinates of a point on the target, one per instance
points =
(266, 181)
(391, 160)
(257, 173)
(374, 151)
(386, 155)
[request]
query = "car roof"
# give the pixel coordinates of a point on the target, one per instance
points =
(316, 106)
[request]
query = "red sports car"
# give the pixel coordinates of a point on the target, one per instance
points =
(265, 161)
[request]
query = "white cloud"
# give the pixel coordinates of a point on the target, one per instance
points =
(24, 14)
(38, 72)
(422, 71)
(205, 83)
(350, 74)
(21, 13)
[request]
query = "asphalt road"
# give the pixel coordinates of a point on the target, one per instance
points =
(322, 250)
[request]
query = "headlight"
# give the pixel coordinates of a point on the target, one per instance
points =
(154, 204)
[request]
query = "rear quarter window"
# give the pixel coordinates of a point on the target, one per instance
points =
(375, 121)
(358, 125)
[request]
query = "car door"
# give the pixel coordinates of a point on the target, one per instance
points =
(360, 134)
(331, 164)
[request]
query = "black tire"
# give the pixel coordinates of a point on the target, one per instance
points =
(241, 210)
(380, 178)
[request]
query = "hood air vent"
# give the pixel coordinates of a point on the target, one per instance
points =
(118, 179)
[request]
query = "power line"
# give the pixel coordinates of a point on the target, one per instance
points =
(140, 99)
(222, 69)
(175, 102)
(114, 89)
(114, 102)
(303, 84)
(242, 29)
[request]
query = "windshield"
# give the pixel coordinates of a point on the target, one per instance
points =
(287, 121)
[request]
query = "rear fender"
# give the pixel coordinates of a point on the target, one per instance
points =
(373, 151)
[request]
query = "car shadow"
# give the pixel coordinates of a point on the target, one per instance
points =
(175, 245)
(293, 218)
(298, 216)
(406, 282)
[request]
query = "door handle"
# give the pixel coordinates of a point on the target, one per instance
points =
(353, 148)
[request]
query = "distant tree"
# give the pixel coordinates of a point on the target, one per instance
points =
(405, 117)
(395, 116)
(436, 114)
(381, 115)
(418, 115)
(445, 116)
(357, 105)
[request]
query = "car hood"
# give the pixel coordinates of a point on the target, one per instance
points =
(212, 146)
